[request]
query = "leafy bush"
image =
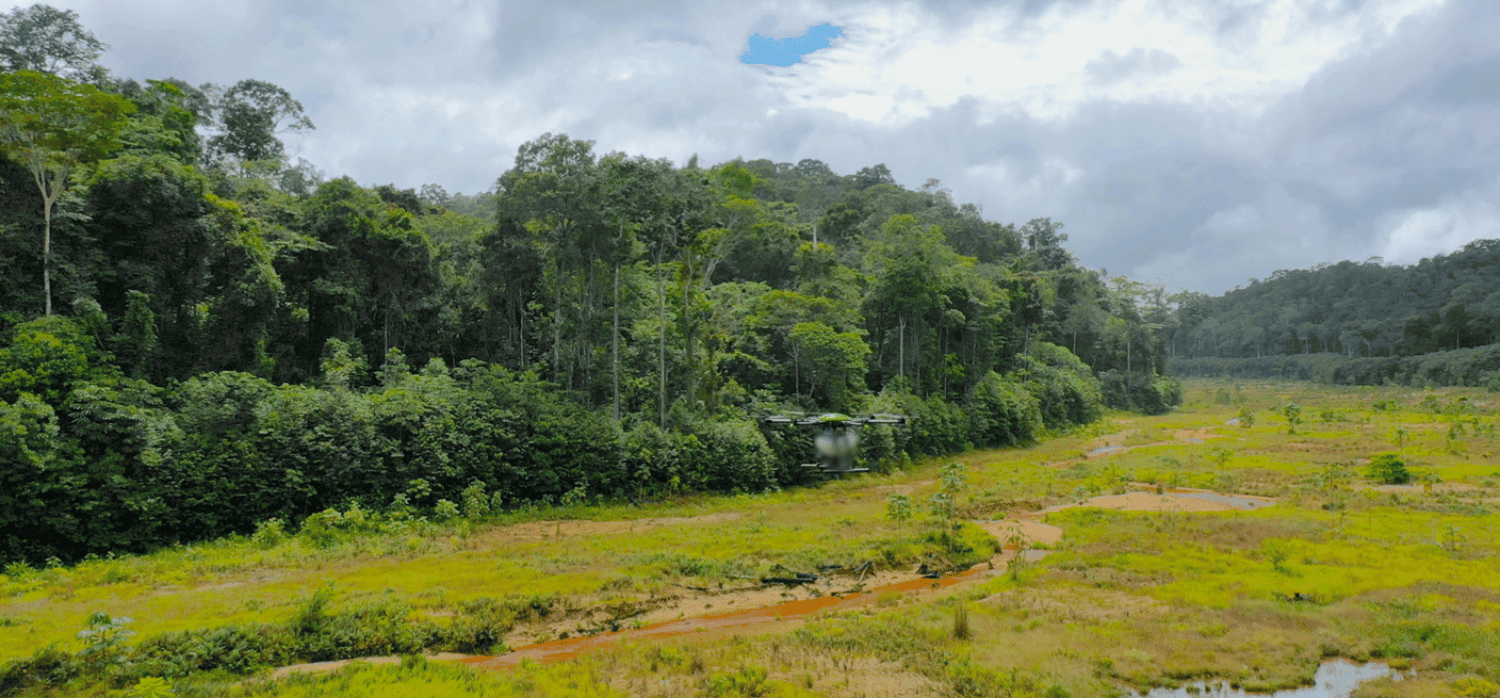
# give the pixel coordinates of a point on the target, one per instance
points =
(1388, 468)
(1065, 387)
(1002, 412)
(934, 427)
(47, 357)
(727, 456)
(1144, 392)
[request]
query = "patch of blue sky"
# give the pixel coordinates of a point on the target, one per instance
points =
(784, 52)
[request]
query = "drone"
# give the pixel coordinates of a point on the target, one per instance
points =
(838, 441)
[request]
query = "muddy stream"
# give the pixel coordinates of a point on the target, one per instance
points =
(1029, 527)
(779, 616)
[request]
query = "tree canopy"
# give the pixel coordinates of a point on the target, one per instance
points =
(242, 337)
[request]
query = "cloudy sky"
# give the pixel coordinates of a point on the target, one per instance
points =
(1199, 143)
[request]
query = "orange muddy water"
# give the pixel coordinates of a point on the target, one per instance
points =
(1181, 499)
(560, 650)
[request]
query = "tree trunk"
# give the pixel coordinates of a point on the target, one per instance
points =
(557, 326)
(520, 331)
(614, 340)
(687, 336)
(47, 255)
(902, 340)
(661, 346)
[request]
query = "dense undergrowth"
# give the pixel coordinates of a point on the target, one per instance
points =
(109, 464)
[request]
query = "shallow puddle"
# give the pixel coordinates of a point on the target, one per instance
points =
(1335, 679)
(1244, 503)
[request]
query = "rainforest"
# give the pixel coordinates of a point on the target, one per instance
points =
(266, 431)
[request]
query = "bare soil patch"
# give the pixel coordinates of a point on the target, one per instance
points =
(1114, 444)
(1033, 531)
(1144, 501)
(325, 667)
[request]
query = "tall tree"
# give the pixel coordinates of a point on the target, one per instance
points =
(248, 118)
(48, 40)
(552, 193)
(51, 125)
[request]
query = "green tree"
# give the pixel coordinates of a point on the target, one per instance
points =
(834, 361)
(45, 39)
(166, 119)
(898, 508)
(248, 117)
(914, 270)
(1389, 468)
(1293, 414)
(51, 126)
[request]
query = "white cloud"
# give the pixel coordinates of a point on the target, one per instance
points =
(1041, 65)
(1419, 233)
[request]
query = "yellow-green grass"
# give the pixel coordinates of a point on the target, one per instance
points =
(232, 581)
(1216, 559)
(416, 677)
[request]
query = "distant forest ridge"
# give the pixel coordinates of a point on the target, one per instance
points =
(1354, 309)
(1478, 366)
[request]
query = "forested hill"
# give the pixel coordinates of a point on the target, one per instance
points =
(1364, 309)
(197, 335)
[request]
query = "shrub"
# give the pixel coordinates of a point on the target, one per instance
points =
(935, 427)
(445, 510)
(1065, 387)
(268, 534)
(727, 456)
(1145, 392)
(1389, 469)
(1002, 412)
(476, 503)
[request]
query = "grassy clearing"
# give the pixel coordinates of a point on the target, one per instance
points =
(1343, 565)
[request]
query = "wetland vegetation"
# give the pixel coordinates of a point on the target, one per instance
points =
(1342, 565)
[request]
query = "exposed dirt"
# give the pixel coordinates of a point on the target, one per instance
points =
(755, 609)
(1114, 444)
(778, 618)
(324, 667)
(736, 606)
(1149, 501)
(1032, 531)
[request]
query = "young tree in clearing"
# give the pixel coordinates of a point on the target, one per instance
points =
(51, 125)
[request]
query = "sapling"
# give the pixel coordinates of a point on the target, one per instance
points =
(898, 508)
(1293, 414)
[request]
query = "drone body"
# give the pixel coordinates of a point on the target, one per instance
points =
(837, 442)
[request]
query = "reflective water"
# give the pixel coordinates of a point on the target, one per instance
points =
(1245, 503)
(1335, 679)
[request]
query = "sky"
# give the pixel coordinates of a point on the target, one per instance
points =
(1199, 144)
